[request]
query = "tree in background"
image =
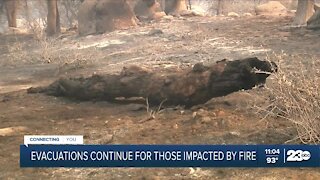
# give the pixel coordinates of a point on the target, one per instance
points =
(304, 11)
(53, 18)
(220, 7)
(70, 10)
(11, 10)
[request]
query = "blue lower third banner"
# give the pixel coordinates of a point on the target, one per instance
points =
(169, 156)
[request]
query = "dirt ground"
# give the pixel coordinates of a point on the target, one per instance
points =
(26, 61)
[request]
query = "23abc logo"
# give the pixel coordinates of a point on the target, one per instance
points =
(298, 155)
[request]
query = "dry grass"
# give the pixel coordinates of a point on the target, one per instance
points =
(294, 95)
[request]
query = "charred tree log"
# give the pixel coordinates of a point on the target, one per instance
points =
(189, 88)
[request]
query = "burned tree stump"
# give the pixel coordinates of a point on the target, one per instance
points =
(175, 7)
(100, 16)
(148, 10)
(190, 87)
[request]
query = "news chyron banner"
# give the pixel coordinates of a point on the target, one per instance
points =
(69, 151)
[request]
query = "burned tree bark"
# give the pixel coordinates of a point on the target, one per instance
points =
(189, 88)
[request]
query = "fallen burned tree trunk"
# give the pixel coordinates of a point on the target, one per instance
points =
(190, 87)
